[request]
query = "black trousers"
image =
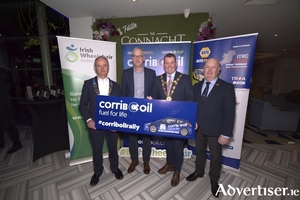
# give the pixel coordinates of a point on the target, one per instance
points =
(215, 149)
(97, 140)
(133, 147)
(8, 125)
(174, 148)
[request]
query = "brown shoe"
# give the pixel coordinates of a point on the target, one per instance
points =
(176, 178)
(132, 166)
(165, 169)
(146, 168)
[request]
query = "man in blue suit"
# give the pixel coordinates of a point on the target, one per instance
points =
(215, 120)
(137, 82)
(173, 86)
(100, 85)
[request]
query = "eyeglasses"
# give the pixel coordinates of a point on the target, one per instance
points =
(137, 56)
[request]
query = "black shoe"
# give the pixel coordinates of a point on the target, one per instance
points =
(15, 148)
(214, 188)
(193, 176)
(95, 179)
(118, 174)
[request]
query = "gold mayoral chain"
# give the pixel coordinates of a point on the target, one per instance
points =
(110, 87)
(173, 83)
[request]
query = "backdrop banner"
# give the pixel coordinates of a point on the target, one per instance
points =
(155, 52)
(236, 55)
(154, 55)
(77, 62)
(142, 116)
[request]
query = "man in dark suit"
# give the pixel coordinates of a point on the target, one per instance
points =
(6, 121)
(138, 82)
(173, 86)
(215, 120)
(100, 85)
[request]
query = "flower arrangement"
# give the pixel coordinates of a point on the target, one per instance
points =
(102, 29)
(206, 30)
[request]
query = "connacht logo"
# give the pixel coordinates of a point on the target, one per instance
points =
(71, 56)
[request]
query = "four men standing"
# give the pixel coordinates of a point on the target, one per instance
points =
(215, 115)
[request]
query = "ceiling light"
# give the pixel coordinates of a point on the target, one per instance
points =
(260, 2)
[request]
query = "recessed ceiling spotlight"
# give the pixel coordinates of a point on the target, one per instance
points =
(276, 35)
(284, 49)
(134, 0)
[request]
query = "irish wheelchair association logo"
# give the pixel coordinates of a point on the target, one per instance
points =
(71, 56)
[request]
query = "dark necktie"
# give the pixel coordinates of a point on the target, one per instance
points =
(204, 94)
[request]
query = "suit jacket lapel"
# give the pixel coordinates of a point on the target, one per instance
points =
(146, 77)
(95, 85)
(200, 88)
(165, 79)
(215, 88)
(131, 78)
(176, 75)
(110, 87)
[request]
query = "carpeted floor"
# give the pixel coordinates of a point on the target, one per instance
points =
(52, 178)
(253, 135)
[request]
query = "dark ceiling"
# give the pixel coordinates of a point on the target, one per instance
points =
(230, 17)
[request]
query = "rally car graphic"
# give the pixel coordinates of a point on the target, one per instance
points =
(170, 125)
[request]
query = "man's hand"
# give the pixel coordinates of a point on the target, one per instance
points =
(222, 140)
(91, 124)
(149, 97)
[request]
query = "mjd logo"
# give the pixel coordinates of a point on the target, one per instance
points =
(71, 56)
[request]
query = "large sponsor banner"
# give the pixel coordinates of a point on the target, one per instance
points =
(77, 62)
(154, 54)
(236, 55)
(175, 119)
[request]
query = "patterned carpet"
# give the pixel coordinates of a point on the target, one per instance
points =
(253, 135)
(52, 178)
